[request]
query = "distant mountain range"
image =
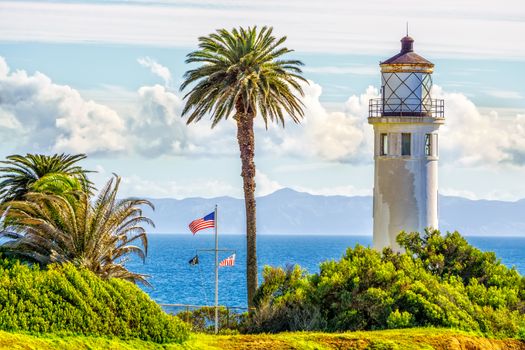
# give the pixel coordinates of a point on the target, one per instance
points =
(290, 212)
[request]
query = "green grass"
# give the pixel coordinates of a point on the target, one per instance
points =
(400, 339)
(20, 341)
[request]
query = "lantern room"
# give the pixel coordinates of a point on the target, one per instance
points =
(406, 83)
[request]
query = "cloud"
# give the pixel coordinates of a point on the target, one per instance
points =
(332, 136)
(39, 115)
(43, 116)
(357, 70)
(452, 192)
(486, 28)
(505, 94)
(158, 129)
(137, 186)
(349, 191)
(470, 137)
(156, 68)
(265, 185)
(4, 68)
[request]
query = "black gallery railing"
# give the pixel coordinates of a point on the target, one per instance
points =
(428, 108)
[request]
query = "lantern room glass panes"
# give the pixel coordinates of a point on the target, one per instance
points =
(406, 139)
(406, 93)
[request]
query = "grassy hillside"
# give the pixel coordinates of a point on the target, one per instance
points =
(407, 339)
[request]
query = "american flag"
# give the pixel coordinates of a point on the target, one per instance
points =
(200, 224)
(229, 261)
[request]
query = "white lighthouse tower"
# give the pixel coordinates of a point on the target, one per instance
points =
(406, 121)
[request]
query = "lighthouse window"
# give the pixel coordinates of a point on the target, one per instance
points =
(428, 145)
(383, 147)
(405, 144)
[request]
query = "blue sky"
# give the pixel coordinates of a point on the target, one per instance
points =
(102, 78)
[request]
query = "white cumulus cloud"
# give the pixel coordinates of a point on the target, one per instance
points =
(39, 115)
(138, 186)
(156, 68)
(35, 113)
(505, 94)
(158, 129)
(265, 185)
(473, 138)
(342, 136)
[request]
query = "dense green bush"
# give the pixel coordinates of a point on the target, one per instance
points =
(63, 299)
(440, 281)
(203, 319)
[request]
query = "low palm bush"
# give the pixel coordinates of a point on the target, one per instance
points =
(97, 234)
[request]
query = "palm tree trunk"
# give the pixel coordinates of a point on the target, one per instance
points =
(246, 140)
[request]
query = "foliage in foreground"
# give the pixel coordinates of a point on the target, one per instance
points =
(441, 281)
(67, 300)
(93, 233)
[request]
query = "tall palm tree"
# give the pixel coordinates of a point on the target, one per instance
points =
(98, 235)
(242, 72)
(19, 172)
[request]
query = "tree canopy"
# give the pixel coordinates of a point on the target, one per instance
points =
(18, 173)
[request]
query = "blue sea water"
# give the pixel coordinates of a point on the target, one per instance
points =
(174, 280)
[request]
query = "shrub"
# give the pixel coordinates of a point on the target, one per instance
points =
(203, 319)
(281, 304)
(67, 300)
(433, 284)
(398, 319)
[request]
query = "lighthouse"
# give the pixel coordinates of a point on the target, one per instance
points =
(406, 121)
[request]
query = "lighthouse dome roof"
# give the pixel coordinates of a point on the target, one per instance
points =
(407, 55)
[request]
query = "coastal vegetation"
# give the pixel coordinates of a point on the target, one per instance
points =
(92, 233)
(64, 251)
(67, 300)
(63, 280)
(243, 72)
(441, 281)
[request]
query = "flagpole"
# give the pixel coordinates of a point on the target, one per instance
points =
(216, 274)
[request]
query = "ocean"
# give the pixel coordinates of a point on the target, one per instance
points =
(175, 281)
